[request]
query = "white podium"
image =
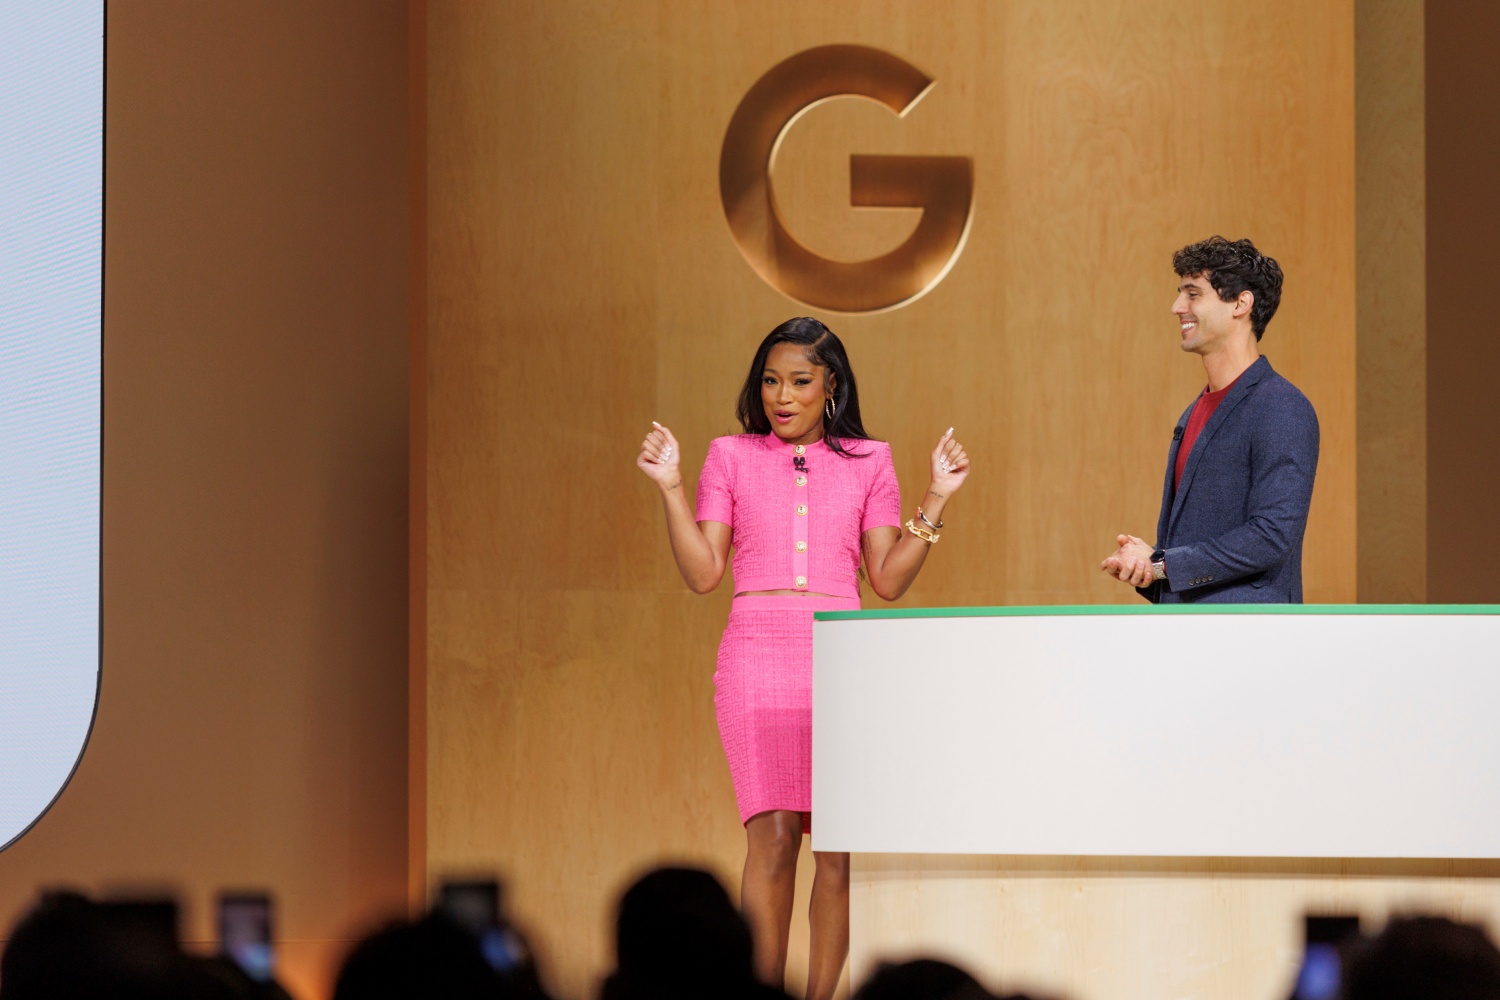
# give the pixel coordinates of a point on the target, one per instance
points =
(1114, 802)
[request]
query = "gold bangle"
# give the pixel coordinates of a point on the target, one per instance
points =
(930, 537)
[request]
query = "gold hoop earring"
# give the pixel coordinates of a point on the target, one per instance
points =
(829, 408)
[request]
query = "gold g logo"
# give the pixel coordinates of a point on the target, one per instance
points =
(942, 186)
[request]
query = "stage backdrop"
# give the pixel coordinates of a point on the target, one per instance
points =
(581, 279)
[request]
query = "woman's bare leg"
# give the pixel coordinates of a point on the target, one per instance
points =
(829, 919)
(768, 887)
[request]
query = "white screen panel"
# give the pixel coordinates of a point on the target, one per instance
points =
(51, 251)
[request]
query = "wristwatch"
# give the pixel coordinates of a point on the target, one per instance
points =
(1159, 564)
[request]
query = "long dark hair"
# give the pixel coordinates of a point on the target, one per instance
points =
(822, 347)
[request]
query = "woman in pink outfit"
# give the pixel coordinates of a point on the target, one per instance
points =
(801, 496)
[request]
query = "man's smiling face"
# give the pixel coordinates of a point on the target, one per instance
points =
(1205, 319)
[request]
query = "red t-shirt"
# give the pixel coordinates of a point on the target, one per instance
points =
(1202, 410)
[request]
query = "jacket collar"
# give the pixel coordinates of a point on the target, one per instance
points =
(775, 444)
(1258, 370)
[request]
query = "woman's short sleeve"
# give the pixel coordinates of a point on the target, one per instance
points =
(883, 499)
(716, 485)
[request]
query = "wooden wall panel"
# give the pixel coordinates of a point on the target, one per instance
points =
(582, 281)
(1392, 317)
(1140, 928)
(1463, 212)
(416, 432)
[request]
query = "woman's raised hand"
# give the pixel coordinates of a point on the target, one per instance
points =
(660, 456)
(950, 464)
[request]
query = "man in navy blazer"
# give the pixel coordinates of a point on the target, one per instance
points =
(1243, 456)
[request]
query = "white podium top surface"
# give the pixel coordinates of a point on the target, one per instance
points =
(1226, 730)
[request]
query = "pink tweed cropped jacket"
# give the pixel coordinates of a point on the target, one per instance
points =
(797, 512)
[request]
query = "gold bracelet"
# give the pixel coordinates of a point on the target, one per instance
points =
(930, 537)
(923, 518)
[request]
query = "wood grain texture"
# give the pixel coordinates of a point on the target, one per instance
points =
(1390, 180)
(582, 282)
(417, 487)
(1138, 928)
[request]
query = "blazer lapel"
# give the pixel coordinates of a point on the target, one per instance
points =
(1241, 389)
(1167, 499)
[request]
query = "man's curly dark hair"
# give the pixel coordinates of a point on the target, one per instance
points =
(1233, 267)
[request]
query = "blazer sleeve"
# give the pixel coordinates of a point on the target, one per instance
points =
(1284, 460)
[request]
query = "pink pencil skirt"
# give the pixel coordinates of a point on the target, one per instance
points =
(763, 697)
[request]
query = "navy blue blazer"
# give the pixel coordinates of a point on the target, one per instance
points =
(1233, 530)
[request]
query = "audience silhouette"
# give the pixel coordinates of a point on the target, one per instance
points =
(1424, 958)
(69, 946)
(678, 937)
(433, 957)
(923, 979)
